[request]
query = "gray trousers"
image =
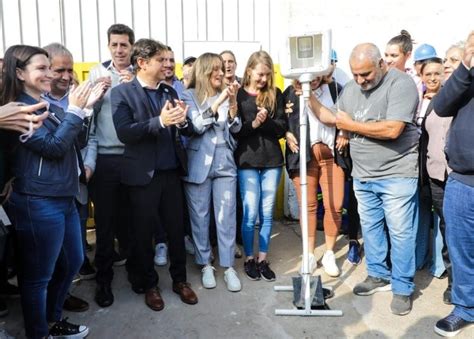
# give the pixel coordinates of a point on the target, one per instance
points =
(219, 188)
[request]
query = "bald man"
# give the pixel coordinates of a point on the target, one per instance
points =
(378, 108)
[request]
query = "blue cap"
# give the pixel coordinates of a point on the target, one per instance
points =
(424, 52)
(333, 55)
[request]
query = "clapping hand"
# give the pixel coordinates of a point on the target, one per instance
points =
(97, 93)
(173, 115)
(78, 96)
(106, 80)
(125, 76)
(262, 115)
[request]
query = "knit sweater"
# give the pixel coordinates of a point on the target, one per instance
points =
(259, 147)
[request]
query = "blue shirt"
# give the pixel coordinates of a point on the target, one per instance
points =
(62, 102)
(178, 87)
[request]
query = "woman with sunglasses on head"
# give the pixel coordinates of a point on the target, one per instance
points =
(46, 167)
(212, 173)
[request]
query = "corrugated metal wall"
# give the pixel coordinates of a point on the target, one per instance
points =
(81, 25)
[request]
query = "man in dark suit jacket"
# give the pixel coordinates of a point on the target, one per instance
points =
(148, 118)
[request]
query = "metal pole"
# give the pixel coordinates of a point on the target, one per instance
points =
(62, 22)
(21, 21)
(38, 26)
(3, 26)
(304, 193)
(99, 44)
(306, 274)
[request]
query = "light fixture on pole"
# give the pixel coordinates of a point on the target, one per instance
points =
(304, 57)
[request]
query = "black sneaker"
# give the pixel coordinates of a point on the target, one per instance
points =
(401, 304)
(64, 329)
(119, 259)
(447, 296)
(451, 325)
(251, 270)
(265, 271)
(87, 272)
(328, 293)
(371, 285)
(75, 304)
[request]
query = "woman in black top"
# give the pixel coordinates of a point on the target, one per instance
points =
(259, 157)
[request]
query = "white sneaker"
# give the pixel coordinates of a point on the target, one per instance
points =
(329, 264)
(208, 279)
(312, 264)
(189, 245)
(232, 280)
(161, 251)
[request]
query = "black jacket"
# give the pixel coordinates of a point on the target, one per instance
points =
(138, 127)
(47, 164)
(456, 99)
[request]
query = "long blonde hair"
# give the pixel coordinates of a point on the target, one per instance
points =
(267, 95)
(201, 75)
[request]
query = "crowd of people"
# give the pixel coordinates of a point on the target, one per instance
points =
(175, 166)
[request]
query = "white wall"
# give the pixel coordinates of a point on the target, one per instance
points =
(435, 22)
(242, 25)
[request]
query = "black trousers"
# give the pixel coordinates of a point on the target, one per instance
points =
(160, 233)
(437, 196)
(353, 215)
(162, 198)
(112, 214)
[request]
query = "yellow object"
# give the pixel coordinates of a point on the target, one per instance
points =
(82, 70)
(279, 80)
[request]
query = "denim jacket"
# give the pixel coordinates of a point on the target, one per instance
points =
(47, 163)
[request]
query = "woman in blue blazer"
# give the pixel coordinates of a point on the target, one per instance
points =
(212, 173)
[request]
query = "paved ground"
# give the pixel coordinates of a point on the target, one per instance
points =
(250, 313)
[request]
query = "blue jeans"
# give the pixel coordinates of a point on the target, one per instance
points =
(458, 209)
(437, 267)
(389, 205)
(258, 189)
(50, 249)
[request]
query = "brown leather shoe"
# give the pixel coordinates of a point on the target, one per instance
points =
(153, 299)
(75, 304)
(185, 292)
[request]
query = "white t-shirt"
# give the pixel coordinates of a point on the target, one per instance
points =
(319, 132)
